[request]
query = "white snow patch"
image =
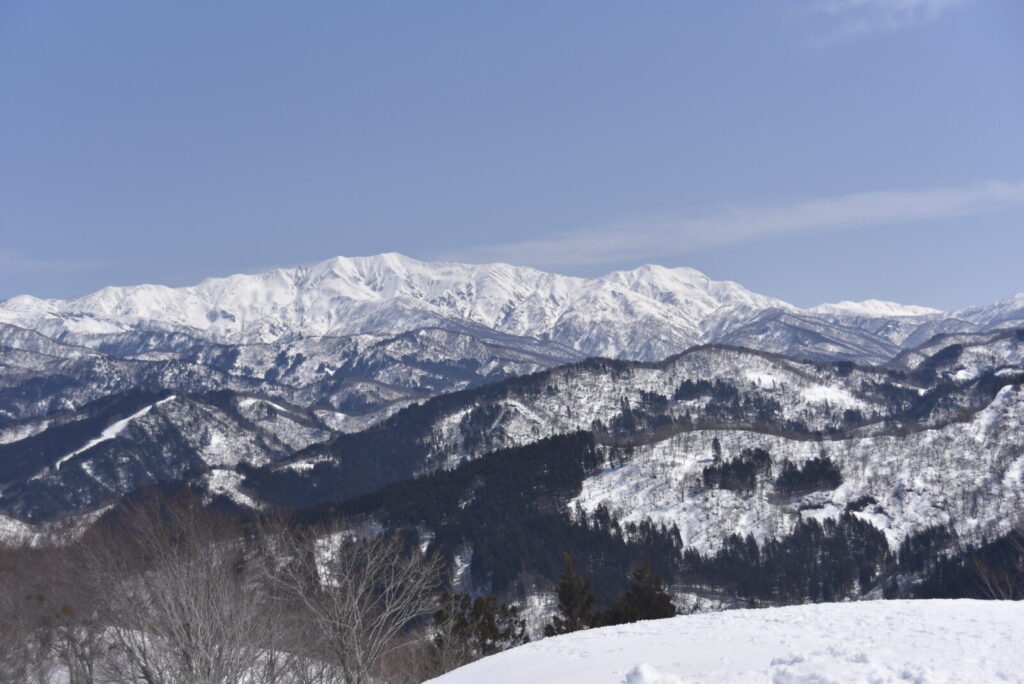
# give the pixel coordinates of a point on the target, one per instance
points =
(964, 374)
(822, 514)
(461, 570)
(301, 466)
(762, 379)
(14, 531)
(836, 396)
(110, 432)
(228, 483)
(20, 432)
(536, 609)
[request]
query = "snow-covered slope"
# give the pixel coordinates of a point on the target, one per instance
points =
(646, 313)
(965, 475)
(873, 641)
(935, 447)
(940, 449)
(111, 448)
(650, 312)
(598, 395)
(874, 308)
(967, 355)
(812, 337)
(1006, 313)
(362, 374)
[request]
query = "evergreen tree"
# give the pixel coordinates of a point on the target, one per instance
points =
(819, 473)
(575, 602)
(646, 599)
(467, 629)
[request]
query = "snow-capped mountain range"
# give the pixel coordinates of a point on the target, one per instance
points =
(646, 313)
(465, 402)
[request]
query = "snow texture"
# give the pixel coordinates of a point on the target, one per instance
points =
(873, 641)
(965, 474)
(645, 313)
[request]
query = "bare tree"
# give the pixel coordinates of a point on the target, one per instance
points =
(78, 642)
(168, 592)
(175, 590)
(25, 607)
(360, 594)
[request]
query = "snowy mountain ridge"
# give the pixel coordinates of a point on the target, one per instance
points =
(874, 307)
(646, 313)
(390, 293)
(454, 398)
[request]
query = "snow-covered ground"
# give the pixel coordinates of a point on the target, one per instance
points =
(874, 641)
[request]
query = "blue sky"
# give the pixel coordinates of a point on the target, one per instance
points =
(813, 150)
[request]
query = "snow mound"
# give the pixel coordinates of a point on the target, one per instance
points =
(873, 641)
(647, 674)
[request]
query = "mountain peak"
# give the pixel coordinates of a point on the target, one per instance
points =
(874, 308)
(647, 312)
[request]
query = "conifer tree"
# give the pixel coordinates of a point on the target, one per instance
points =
(575, 602)
(646, 599)
(468, 628)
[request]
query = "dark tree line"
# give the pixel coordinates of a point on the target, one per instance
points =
(648, 415)
(509, 506)
(468, 628)
(726, 402)
(739, 474)
(826, 561)
(719, 391)
(644, 599)
(934, 563)
(820, 473)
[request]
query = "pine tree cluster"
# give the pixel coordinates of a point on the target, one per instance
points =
(645, 599)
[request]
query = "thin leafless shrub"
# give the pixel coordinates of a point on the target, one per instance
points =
(166, 592)
(25, 611)
(361, 596)
(175, 593)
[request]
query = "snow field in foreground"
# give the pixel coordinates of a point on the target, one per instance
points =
(872, 641)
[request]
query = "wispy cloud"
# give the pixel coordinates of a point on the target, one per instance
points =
(656, 237)
(857, 17)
